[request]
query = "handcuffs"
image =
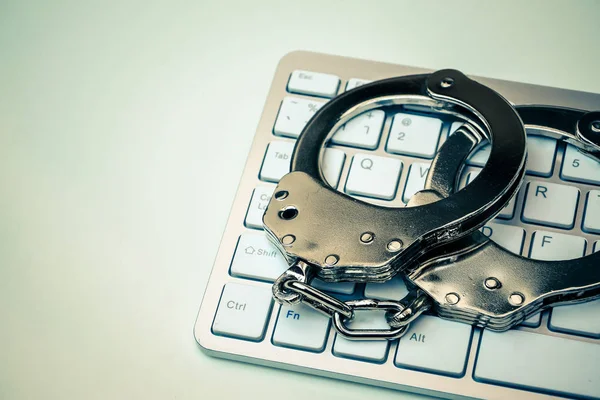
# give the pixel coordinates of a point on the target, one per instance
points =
(453, 270)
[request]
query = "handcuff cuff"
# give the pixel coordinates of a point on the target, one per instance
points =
(434, 242)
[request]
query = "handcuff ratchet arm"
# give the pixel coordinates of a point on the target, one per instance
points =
(476, 281)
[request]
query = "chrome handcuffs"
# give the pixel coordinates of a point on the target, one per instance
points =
(434, 241)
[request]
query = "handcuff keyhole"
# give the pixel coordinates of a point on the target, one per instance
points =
(447, 82)
(288, 213)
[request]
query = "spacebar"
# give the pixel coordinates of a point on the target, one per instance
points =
(532, 361)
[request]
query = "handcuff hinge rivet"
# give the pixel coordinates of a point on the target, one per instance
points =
(516, 299)
(331, 259)
(452, 298)
(492, 283)
(394, 245)
(595, 126)
(367, 237)
(288, 240)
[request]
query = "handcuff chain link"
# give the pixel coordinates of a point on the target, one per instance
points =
(293, 287)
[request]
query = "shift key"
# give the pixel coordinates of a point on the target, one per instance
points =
(243, 311)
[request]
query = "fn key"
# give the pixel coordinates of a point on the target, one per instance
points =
(243, 311)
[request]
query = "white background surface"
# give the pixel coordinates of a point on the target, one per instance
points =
(124, 128)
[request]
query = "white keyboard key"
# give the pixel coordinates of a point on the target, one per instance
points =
(432, 344)
(591, 222)
(509, 237)
(507, 212)
(533, 321)
(366, 350)
(541, 152)
(333, 162)
(414, 135)
(579, 168)
(293, 115)
(354, 83)
(374, 176)
(597, 246)
(394, 289)
(243, 311)
(277, 161)
(260, 199)
(551, 204)
(313, 83)
(256, 258)
(532, 361)
(556, 246)
(334, 287)
(416, 180)
(578, 319)
(301, 327)
(361, 131)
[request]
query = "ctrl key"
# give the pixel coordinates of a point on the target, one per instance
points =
(243, 311)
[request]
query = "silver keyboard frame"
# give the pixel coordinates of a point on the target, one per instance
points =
(325, 363)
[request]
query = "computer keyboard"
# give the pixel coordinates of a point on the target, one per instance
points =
(383, 157)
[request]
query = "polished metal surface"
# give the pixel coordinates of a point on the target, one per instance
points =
(511, 287)
(328, 224)
(326, 363)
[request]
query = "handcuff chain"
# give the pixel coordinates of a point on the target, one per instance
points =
(293, 287)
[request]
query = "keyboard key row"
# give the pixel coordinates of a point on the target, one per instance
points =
(430, 344)
(546, 203)
(411, 135)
